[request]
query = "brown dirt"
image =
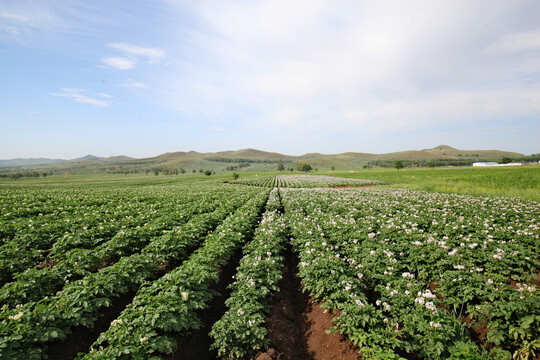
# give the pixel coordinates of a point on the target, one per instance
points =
(297, 326)
(536, 282)
(82, 337)
(327, 346)
(49, 264)
(477, 331)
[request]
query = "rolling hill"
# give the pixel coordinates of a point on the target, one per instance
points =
(257, 160)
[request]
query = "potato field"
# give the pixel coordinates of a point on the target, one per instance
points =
(257, 268)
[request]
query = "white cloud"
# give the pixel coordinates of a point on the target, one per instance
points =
(119, 63)
(133, 84)
(151, 53)
(516, 42)
(105, 95)
(12, 30)
(76, 95)
(131, 54)
(449, 108)
(33, 23)
(324, 65)
(16, 17)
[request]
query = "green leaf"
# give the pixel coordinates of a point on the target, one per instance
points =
(527, 321)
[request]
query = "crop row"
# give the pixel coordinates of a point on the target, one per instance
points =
(46, 242)
(241, 331)
(57, 209)
(27, 329)
(411, 274)
(317, 181)
(305, 181)
(384, 259)
(169, 305)
(262, 181)
(35, 283)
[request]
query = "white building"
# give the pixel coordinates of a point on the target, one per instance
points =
(493, 163)
(485, 163)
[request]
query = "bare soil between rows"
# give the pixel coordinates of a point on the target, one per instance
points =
(297, 325)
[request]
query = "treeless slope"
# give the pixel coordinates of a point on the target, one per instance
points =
(250, 154)
(448, 151)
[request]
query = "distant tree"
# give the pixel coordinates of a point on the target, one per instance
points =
(182, 171)
(201, 171)
(333, 168)
(44, 174)
(208, 172)
(280, 167)
(303, 167)
(506, 160)
(156, 172)
(398, 165)
(194, 171)
(166, 171)
(235, 176)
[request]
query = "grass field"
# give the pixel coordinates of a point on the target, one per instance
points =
(520, 182)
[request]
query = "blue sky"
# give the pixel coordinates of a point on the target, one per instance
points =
(141, 78)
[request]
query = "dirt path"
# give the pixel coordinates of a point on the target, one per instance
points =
(297, 327)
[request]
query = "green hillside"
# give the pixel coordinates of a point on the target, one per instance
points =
(253, 160)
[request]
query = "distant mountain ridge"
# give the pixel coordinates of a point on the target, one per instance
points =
(28, 162)
(89, 157)
(194, 159)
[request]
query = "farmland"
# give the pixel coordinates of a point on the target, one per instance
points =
(154, 269)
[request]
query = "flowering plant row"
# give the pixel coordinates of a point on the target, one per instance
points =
(387, 251)
(27, 329)
(35, 283)
(316, 181)
(260, 181)
(44, 238)
(146, 328)
(304, 181)
(34, 206)
(241, 330)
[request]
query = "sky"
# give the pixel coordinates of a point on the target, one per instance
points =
(141, 78)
